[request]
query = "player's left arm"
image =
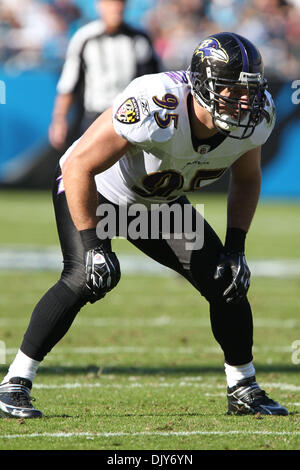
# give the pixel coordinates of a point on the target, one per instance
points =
(244, 189)
(243, 196)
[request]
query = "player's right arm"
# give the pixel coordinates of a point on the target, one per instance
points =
(97, 150)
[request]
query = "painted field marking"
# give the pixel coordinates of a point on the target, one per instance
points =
(161, 321)
(149, 433)
(179, 383)
(49, 259)
(104, 350)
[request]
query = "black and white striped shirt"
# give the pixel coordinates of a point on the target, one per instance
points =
(105, 63)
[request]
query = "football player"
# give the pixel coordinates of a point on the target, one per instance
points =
(166, 135)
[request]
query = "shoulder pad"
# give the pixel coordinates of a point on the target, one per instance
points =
(146, 111)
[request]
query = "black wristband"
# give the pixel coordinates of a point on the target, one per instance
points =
(89, 239)
(235, 239)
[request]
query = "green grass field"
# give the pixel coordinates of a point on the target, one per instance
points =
(141, 369)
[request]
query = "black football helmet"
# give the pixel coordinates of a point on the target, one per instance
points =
(228, 60)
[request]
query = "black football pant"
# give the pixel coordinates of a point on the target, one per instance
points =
(53, 315)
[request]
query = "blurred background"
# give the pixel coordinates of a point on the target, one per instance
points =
(151, 308)
(34, 36)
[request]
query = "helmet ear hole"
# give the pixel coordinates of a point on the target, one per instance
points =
(205, 92)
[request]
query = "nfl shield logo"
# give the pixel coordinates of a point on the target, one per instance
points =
(202, 149)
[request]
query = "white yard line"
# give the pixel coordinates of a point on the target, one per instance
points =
(49, 259)
(178, 383)
(103, 350)
(124, 386)
(161, 321)
(150, 433)
(167, 321)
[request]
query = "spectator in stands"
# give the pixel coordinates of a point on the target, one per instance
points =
(29, 28)
(102, 59)
(35, 33)
(273, 25)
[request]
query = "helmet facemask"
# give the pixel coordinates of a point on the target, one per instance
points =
(231, 113)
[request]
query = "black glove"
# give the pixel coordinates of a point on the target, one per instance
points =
(234, 262)
(101, 265)
(102, 272)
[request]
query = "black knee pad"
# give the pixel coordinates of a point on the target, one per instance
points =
(74, 277)
(210, 288)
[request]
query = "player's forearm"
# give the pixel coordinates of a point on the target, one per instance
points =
(243, 197)
(81, 194)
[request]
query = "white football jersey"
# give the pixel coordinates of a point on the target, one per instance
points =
(165, 161)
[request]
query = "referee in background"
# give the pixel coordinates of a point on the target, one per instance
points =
(102, 58)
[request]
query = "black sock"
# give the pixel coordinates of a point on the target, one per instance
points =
(50, 320)
(232, 327)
